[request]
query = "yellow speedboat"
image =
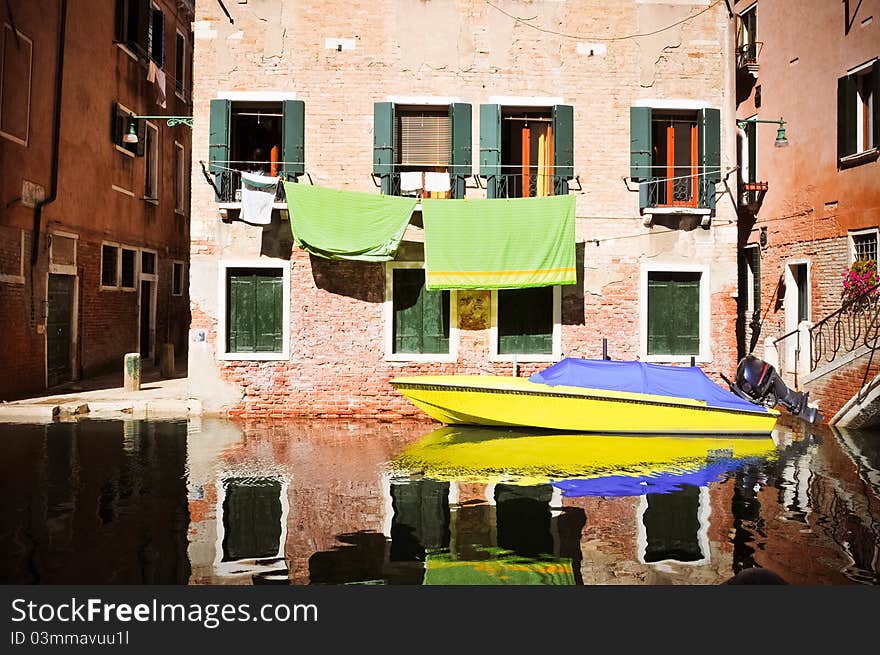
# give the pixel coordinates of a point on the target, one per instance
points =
(591, 396)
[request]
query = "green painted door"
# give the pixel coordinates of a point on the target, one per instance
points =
(525, 321)
(255, 306)
(674, 314)
(421, 317)
(59, 329)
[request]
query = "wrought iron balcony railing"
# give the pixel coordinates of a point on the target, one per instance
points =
(747, 54)
(680, 191)
(855, 324)
(227, 185)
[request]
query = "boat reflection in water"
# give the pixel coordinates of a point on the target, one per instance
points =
(503, 491)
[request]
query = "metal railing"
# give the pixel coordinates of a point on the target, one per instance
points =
(747, 53)
(679, 191)
(227, 184)
(520, 185)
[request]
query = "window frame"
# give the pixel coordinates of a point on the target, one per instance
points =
(151, 162)
(705, 351)
(7, 135)
(180, 76)
(64, 269)
(152, 43)
(388, 320)
(120, 109)
(223, 338)
(851, 238)
(556, 336)
(180, 189)
(135, 264)
(180, 278)
(865, 149)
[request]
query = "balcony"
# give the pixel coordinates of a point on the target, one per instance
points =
(753, 195)
(227, 186)
(747, 57)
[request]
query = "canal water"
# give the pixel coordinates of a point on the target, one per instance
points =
(331, 502)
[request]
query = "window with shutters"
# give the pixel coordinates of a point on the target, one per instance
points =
(157, 36)
(420, 325)
(526, 151)
(254, 310)
(676, 157)
(526, 324)
(133, 26)
(675, 305)
(261, 137)
(858, 113)
(422, 150)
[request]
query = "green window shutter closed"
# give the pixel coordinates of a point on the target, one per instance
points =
(709, 136)
(525, 321)
(383, 143)
(674, 314)
(421, 317)
(255, 311)
(490, 147)
(460, 121)
(563, 146)
(640, 143)
(846, 116)
(293, 152)
(218, 141)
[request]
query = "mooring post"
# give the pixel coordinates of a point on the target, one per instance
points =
(131, 375)
(693, 361)
(166, 366)
(604, 348)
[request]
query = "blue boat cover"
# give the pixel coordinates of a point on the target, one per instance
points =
(615, 486)
(639, 377)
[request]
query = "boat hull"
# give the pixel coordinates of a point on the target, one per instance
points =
(511, 402)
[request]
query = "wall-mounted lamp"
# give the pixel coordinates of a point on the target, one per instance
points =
(171, 121)
(781, 140)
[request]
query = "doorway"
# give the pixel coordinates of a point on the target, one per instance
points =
(797, 308)
(59, 329)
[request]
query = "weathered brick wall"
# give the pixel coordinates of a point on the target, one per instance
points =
(474, 53)
(835, 389)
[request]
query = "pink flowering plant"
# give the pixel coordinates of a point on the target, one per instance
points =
(861, 277)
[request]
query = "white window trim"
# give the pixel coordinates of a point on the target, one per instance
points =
(154, 276)
(704, 511)
(790, 301)
(224, 265)
(864, 144)
(388, 320)
(256, 96)
(182, 80)
(527, 101)
(855, 233)
(247, 566)
(127, 50)
(124, 151)
(137, 267)
(424, 100)
(556, 352)
(151, 160)
(180, 198)
(174, 262)
(858, 69)
(705, 354)
(7, 135)
(64, 269)
(674, 103)
(101, 285)
(16, 279)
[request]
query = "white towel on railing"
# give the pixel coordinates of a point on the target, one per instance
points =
(437, 182)
(257, 197)
(411, 181)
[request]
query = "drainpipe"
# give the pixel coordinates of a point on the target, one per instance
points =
(743, 154)
(56, 135)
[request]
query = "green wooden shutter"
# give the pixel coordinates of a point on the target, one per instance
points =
(240, 309)
(218, 141)
(525, 321)
(563, 147)
(640, 143)
(251, 518)
(460, 157)
(846, 116)
(490, 147)
(421, 317)
(709, 142)
(269, 312)
(293, 138)
(383, 143)
(674, 314)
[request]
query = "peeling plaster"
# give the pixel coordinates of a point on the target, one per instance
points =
(652, 48)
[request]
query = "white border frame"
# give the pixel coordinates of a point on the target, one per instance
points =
(556, 352)
(16, 279)
(256, 96)
(861, 232)
(182, 79)
(64, 269)
(424, 100)
(790, 300)
(526, 101)
(101, 285)
(124, 151)
(137, 268)
(705, 354)
(704, 511)
(182, 277)
(27, 129)
(151, 161)
(222, 267)
(180, 179)
(249, 566)
(388, 321)
(154, 295)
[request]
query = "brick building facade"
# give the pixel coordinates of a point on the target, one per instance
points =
(647, 214)
(819, 210)
(94, 230)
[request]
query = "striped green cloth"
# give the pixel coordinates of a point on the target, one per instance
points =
(443, 569)
(499, 243)
(337, 224)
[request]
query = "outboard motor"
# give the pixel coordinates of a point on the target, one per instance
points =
(758, 382)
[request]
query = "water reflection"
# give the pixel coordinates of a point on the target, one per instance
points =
(330, 502)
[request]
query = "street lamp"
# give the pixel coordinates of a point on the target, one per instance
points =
(781, 140)
(171, 121)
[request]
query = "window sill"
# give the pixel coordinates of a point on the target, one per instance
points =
(677, 211)
(181, 97)
(859, 158)
(152, 201)
(418, 358)
(526, 359)
(180, 212)
(674, 359)
(253, 357)
(127, 50)
(124, 151)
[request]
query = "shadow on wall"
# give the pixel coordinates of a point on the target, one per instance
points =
(573, 294)
(359, 280)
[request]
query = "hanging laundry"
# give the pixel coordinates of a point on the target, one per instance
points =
(504, 243)
(257, 197)
(151, 72)
(337, 224)
(437, 182)
(411, 181)
(160, 87)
